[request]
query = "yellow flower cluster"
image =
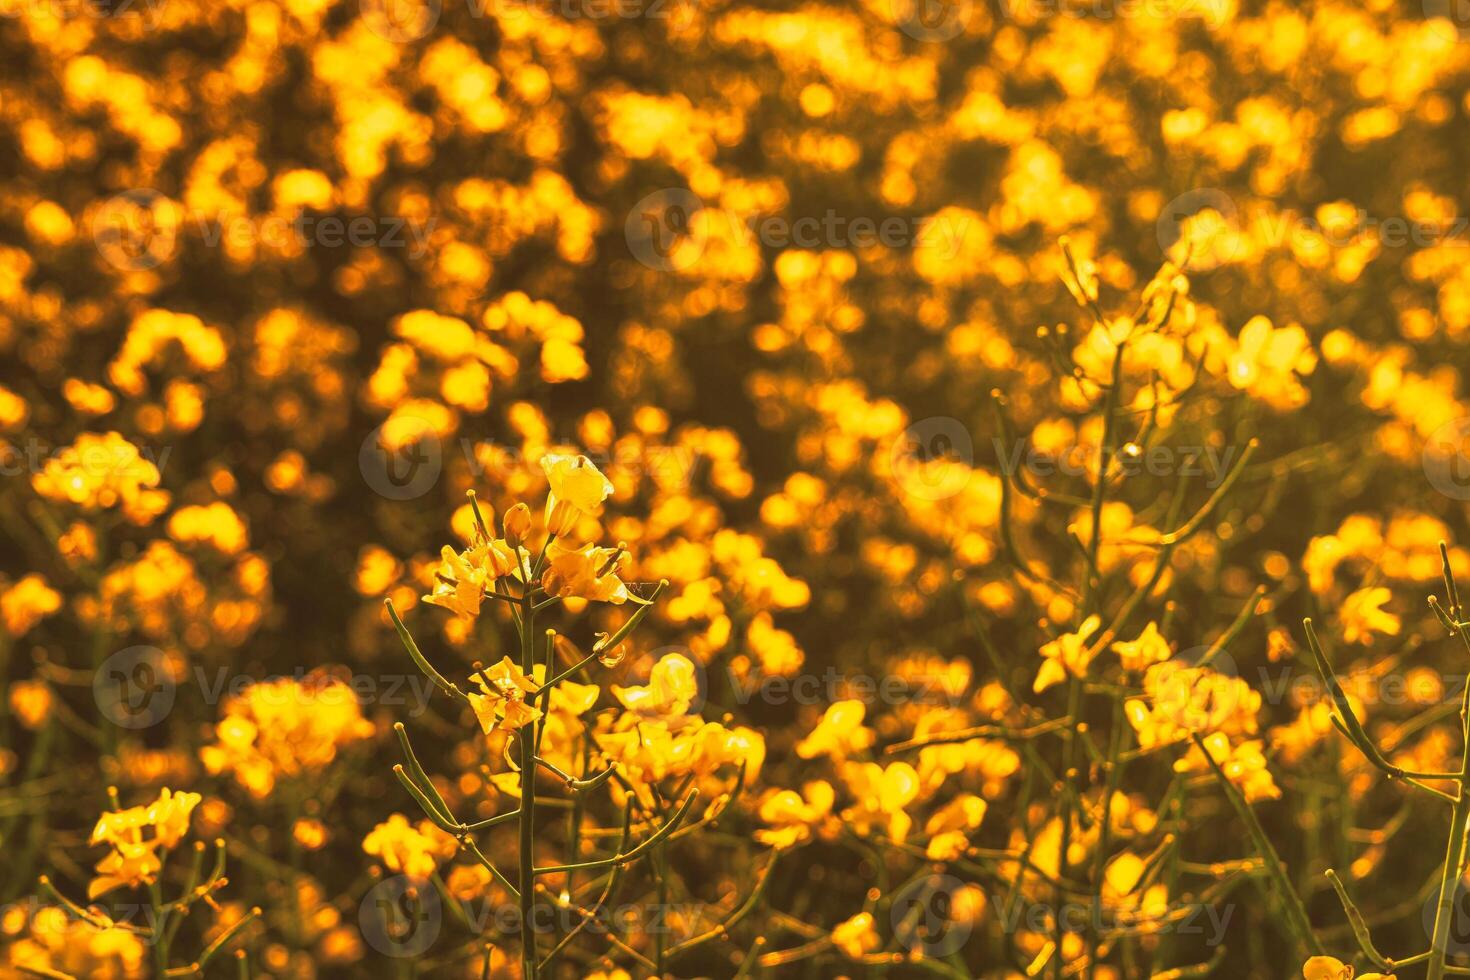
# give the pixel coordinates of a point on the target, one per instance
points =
(136, 836)
(78, 947)
(405, 848)
(26, 602)
(284, 729)
(639, 244)
(659, 736)
(101, 472)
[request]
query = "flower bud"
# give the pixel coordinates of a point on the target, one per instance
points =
(517, 524)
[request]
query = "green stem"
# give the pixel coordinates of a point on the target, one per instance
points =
(623, 857)
(1444, 906)
(1296, 915)
(160, 934)
(1059, 932)
(528, 803)
(1099, 868)
(1099, 491)
(1359, 924)
(661, 868)
(6, 645)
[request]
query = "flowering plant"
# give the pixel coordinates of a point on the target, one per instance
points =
(535, 701)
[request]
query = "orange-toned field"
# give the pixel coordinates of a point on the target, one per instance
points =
(619, 489)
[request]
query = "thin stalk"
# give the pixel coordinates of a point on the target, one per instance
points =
(623, 857)
(1297, 920)
(661, 868)
(160, 923)
(1359, 925)
(1099, 867)
(1069, 751)
(1444, 907)
(529, 958)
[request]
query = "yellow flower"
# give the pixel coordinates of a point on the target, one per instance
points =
(1267, 360)
(13, 410)
(26, 603)
(672, 686)
(134, 858)
(406, 849)
(1332, 968)
(1067, 654)
(776, 649)
(949, 827)
(1148, 649)
(94, 947)
(31, 703)
(1180, 700)
(459, 585)
(78, 544)
(881, 796)
(577, 488)
(120, 826)
(127, 865)
(468, 882)
(284, 728)
(1362, 616)
(169, 815)
(217, 524)
(311, 834)
(1243, 764)
(792, 815)
(839, 734)
(1292, 742)
(650, 751)
(1120, 889)
(562, 728)
(99, 472)
(461, 579)
(856, 936)
(517, 524)
(502, 704)
(587, 572)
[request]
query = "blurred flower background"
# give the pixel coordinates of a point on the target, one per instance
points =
(996, 384)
